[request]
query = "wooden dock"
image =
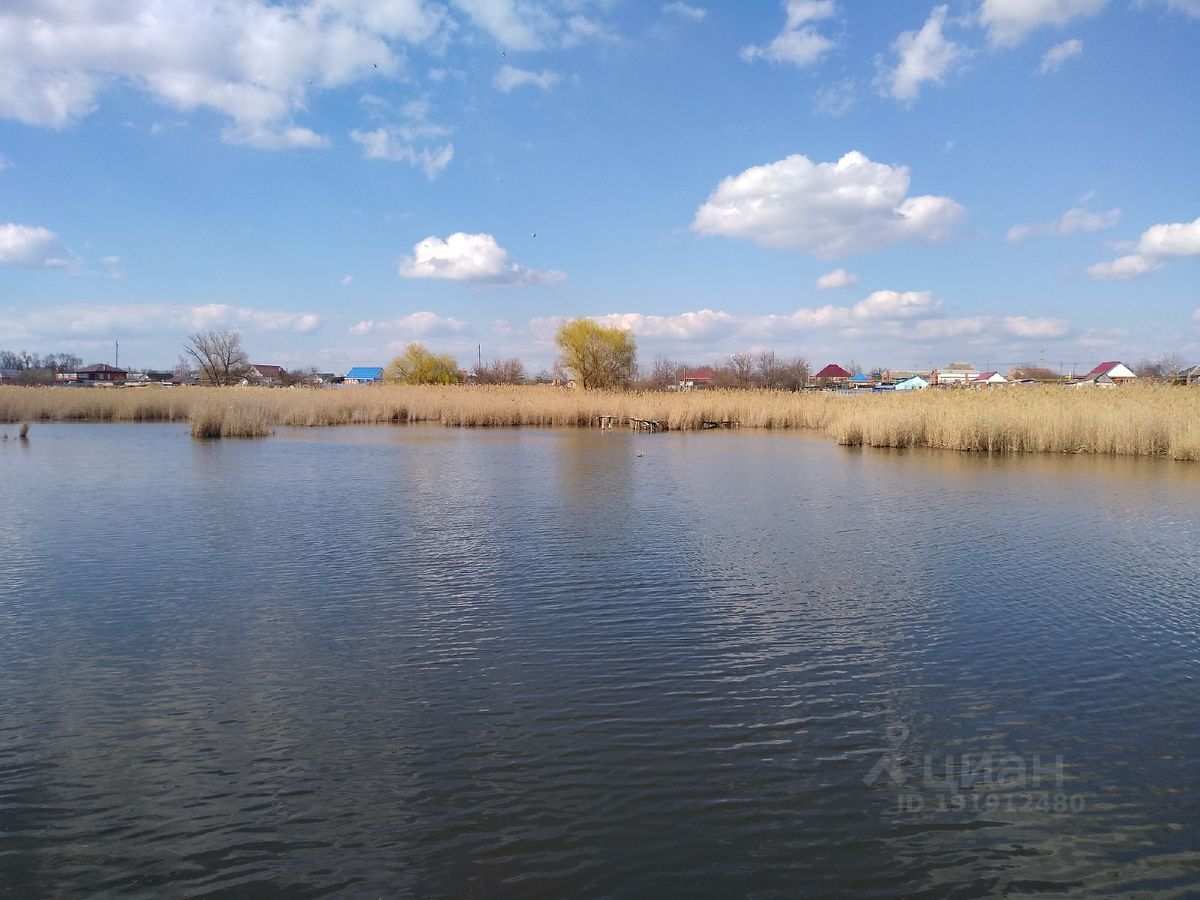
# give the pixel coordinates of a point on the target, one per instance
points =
(646, 426)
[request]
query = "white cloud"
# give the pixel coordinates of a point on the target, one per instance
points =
(1155, 247)
(827, 209)
(473, 258)
(838, 278)
(1124, 267)
(837, 99)
(685, 11)
(253, 62)
(5, 162)
(1057, 55)
(1180, 239)
(1187, 7)
(1008, 22)
(418, 324)
(1073, 221)
(897, 316)
(29, 246)
(510, 77)
(395, 144)
(100, 321)
(113, 270)
(514, 24)
(924, 55)
(799, 43)
(347, 280)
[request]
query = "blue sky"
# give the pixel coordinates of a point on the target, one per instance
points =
(899, 183)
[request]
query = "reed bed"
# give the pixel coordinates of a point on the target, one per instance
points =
(1135, 420)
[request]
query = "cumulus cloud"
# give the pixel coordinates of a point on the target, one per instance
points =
(1008, 22)
(510, 77)
(685, 11)
(347, 280)
(799, 43)
(525, 25)
(253, 62)
(921, 56)
(473, 258)
(29, 246)
(838, 278)
(418, 324)
(1057, 55)
(1073, 221)
(830, 210)
(1156, 246)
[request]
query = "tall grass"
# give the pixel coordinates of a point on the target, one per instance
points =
(1140, 420)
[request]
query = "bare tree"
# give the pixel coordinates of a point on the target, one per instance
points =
(501, 371)
(794, 374)
(741, 366)
(219, 356)
(768, 369)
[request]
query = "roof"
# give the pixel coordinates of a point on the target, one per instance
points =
(833, 370)
(366, 373)
(102, 367)
(1105, 367)
(276, 372)
(862, 378)
(695, 374)
(983, 376)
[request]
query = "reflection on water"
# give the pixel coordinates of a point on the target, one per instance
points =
(488, 663)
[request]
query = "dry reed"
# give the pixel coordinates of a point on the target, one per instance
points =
(1140, 420)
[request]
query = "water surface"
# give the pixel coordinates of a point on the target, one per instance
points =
(451, 663)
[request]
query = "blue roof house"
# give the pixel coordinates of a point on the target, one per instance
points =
(365, 375)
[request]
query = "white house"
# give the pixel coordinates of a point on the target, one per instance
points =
(1117, 371)
(955, 374)
(912, 383)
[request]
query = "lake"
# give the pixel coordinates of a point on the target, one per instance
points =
(429, 662)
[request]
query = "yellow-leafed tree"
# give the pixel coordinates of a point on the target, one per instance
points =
(416, 365)
(598, 356)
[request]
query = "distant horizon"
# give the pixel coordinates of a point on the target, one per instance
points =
(985, 179)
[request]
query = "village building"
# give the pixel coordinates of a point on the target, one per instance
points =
(912, 383)
(689, 379)
(101, 373)
(1190, 375)
(955, 374)
(832, 376)
(1117, 371)
(268, 376)
(861, 380)
(365, 375)
(989, 378)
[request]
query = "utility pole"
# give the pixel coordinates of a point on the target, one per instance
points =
(117, 354)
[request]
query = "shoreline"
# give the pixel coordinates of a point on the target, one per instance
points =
(1136, 420)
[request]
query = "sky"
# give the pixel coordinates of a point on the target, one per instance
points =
(901, 184)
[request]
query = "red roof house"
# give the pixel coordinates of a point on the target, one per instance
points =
(832, 371)
(694, 378)
(1117, 371)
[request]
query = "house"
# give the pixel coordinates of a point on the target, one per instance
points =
(989, 378)
(687, 379)
(1190, 375)
(954, 374)
(102, 373)
(861, 380)
(912, 383)
(832, 375)
(10, 376)
(267, 375)
(365, 375)
(1117, 371)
